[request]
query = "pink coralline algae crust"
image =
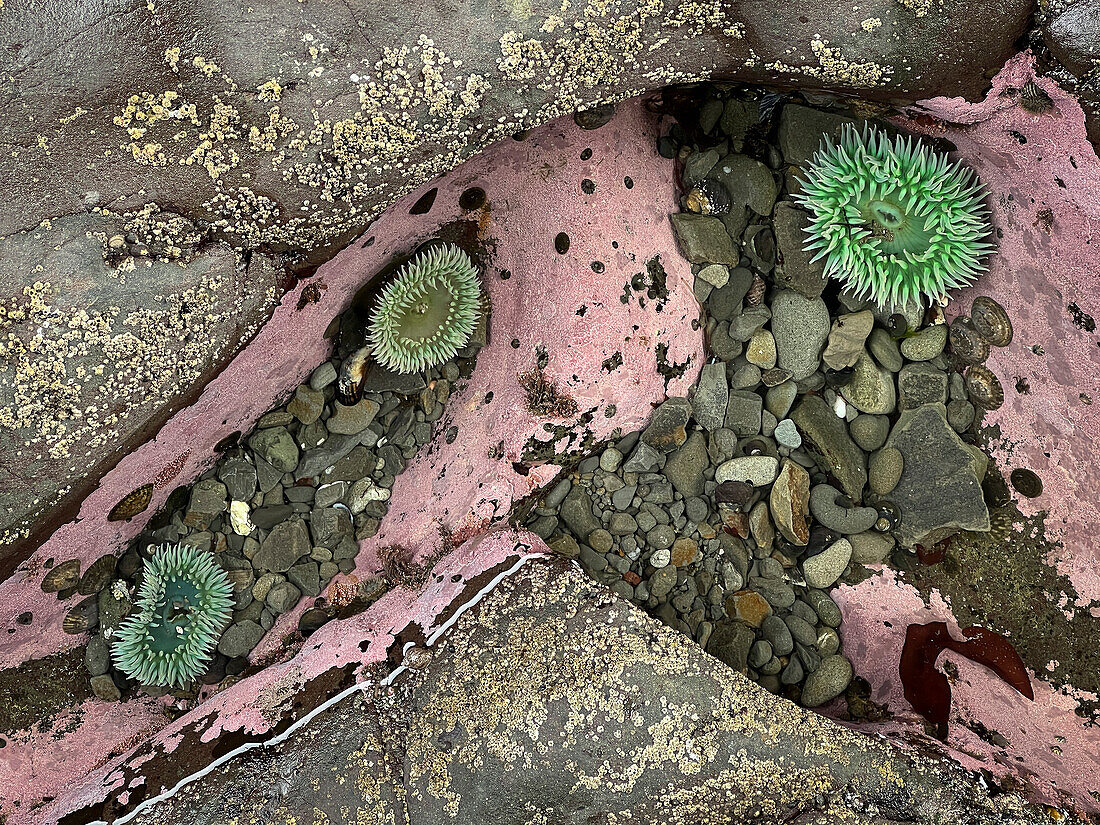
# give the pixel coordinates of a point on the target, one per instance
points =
(1045, 743)
(1044, 262)
(1045, 199)
(533, 192)
(251, 706)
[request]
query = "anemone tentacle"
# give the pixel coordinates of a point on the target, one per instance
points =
(428, 312)
(184, 603)
(893, 219)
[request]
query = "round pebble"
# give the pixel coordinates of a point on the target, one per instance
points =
(786, 433)
(827, 682)
(884, 470)
(869, 431)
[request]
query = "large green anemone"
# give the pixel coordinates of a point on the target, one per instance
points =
(893, 219)
(184, 603)
(427, 313)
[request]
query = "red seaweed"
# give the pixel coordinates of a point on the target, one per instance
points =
(928, 690)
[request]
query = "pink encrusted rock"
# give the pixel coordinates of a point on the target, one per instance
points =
(566, 303)
(1043, 179)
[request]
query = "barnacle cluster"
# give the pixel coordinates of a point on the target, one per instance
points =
(428, 312)
(184, 603)
(893, 219)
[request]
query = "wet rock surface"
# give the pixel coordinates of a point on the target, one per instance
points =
(451, 759)
(208, 155)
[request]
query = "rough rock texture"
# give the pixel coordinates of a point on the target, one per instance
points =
(180, 131)
(584, 691)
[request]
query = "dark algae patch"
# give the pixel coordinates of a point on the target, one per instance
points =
(36, 691)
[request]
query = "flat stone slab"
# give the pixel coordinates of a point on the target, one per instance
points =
(940, 491)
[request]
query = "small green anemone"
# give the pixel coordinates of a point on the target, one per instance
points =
(893, 219)
(427, 313)
(184, 603)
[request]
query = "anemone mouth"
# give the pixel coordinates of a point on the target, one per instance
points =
(893, 220)
(184, 602)
(428, 312)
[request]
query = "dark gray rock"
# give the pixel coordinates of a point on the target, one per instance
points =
(239, 639)
(885, 350)
(778, 635)
(704, 240)
(869, 431)
(801, 327)
(239, 476)
(354, 419)
(276, 446)
(328, 525)
(282, 597)
(667, 428)
(797, 271)
(307, 404)
(743, 412)
(826, 438)
(730, 643)
(104, 688)
(1073, 35)
(724, 302)
(684, 467)
(802, 129)
(940, 491)
(207, 501)
(576, 512)
(284, 545)
(708, 404)
(827, 682)
(748, 181)
(921, 383)
(644, 459)
(97, 656)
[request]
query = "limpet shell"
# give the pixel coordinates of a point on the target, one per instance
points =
(995, 490)
(991, 321)
(97, 576)
(966, 344)
(62, 577)
(1026, 482)
(1034, 98)
(132, 503)
(984, 388)
(81, 618)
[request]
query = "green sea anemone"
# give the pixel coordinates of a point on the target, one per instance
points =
(184, 603)
(427, 313)
(893, 219)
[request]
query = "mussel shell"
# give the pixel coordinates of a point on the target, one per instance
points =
(97, 576)
(81, 618)
(966, 344)
(984, 388)
(62, 577)
(839, 378)
(991, 321)
(1035, 99)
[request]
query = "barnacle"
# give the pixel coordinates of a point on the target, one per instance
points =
(893, 219)
(184, 603)
(427, 313)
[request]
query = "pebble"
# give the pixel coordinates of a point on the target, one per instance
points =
(779, 594)
(239, 639)
(760, 653)
(800, 326)
(644, 459)
(282, 597)
(307, 404)
(715, 274)
(869, 431)
(921, 383)
(786, 433)
(667, 428)
(724, 303)
(276, 446)
(788, 503)
(824, 607)
(779, 399)
(960, 415)
(711, 397)
(847, 338)
(827, 682)
(104, 688)
(840, 519)
(884, 470)
(885, 350)
(757, 470)
(601, 540)
(97, 656)
(832, 447)
(239, 477)
(352, 420)
(576, 512)
(662, 582)
(704, 239)
(822, 570)
(684, 467)
(871, 388)
(564, 545)
(322, 376)
(661, 537)
(761, 350)
(285, 544)
(926, 344)
(778, 635)
(871, 547)
(801, 630)
(743, 412)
